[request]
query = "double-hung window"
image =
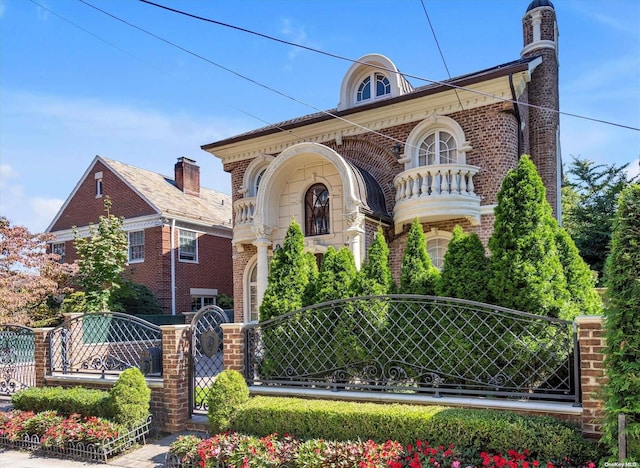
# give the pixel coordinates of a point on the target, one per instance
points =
(136, 246)
(59, 249)
(188, 246)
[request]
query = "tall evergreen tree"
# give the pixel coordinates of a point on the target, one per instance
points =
(526, 273)
(374, 278)
(288, 276)
(465, 273)
(417, 273)
(310, 289)
(337, 273)
(622, 324)
(583, 297)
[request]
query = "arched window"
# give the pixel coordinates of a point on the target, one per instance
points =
(316, 210)
(382, 87)
(438, 147)
(436, 248)
(258, 179)
(253, 313)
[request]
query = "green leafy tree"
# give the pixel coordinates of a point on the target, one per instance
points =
(288, 277)
(465, 273)
(581, 282)
(526, 273)
(135, 299)
(374, 278)
(310, 289)
(417, 273)
(336, 276)
(102, 259)
(622, 324)
(590, 200)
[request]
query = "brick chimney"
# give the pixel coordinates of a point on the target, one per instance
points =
(188, 176)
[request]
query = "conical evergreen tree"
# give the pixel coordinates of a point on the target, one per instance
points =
(310, 290)
(526, 273)
(337, 273)
(622, 324)
(374, 278)
(465, 273)
(417, 273)
(288, 276)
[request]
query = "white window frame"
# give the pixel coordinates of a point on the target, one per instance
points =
(131, 246)
(436, 235)
(438, 149)
(372, 76)
(435, 125)
(184, 256)
(99, 187)
(59, 248)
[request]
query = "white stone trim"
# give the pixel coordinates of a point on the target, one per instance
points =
(428, 126)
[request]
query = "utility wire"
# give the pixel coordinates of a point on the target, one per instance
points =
(435, 38)
(340, 57)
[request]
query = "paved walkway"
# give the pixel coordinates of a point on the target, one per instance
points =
(150, 455)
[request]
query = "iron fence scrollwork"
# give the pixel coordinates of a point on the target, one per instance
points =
(17, 358)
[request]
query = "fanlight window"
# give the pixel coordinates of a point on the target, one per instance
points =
(382, 87)
(438, 148)
(316, 205)
(436, 248)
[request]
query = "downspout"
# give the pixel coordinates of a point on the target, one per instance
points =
(516, 111)
(173, 267)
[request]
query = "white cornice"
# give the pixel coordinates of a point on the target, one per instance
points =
(542, 44)
(376, 119)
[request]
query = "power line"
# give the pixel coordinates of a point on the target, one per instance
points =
(435, 38)
(340, 57)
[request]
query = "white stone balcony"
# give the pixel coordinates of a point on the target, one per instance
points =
(436, 193)
(243, 210)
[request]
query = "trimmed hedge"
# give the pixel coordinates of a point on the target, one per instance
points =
(228, 392)
(65, 401)
(488, 430)
(130, 398)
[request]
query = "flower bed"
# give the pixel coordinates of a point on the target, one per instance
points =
(233, 450)
(90, 439)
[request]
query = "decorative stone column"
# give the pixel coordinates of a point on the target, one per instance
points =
(262, 242)
(592, 376)
(355, 230)
(175, 376)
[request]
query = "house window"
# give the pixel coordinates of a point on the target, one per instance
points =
(438, 147)
(382, 87)
(136, 246)
(188, 246)
(259, 178)
(198, 302)
(98, 178)
(59, 249)
(436, 248)
(254, 311)
(316, 210)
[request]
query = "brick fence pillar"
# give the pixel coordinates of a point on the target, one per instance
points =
(233, 346)
(591, 341)
(42, 353)
(175, 375)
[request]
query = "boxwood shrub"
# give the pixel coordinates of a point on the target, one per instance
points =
(545, 437)
(65, 401)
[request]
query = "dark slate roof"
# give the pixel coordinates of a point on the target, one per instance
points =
(463, 80)
(370, 192)
(539, 3)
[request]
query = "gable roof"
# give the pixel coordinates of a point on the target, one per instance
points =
(162, 194)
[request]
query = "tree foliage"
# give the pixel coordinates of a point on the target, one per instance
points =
(526, 273)
(590, 200)
(622, 323)
(29, 273)
(465, 273)
(375, 278)
(417, 273)
(288, 277)
(336, 277)
(102, 259)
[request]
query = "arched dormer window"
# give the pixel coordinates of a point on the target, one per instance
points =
(436, 140)
(372, 77)
(438, 147)
(316, 210)
(381, 87)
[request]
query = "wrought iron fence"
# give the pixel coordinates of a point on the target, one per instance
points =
(17, 358)
(417, 344)
(106, 343)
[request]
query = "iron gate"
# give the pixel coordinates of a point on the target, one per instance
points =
(17, 358)
(206, 353)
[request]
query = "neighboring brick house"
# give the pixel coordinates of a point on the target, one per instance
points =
(390, 153)
(179, 233)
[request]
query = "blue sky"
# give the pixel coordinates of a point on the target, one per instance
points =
(75, 82)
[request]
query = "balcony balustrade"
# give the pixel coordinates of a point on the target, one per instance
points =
(243, 210)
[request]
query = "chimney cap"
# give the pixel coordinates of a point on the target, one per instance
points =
(187, 160)
(539, 4)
